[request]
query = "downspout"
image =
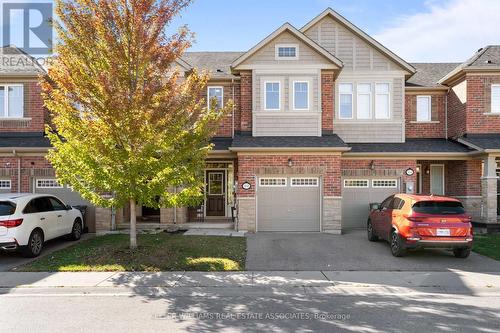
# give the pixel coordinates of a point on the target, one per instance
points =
(232, 85)
(446, 114)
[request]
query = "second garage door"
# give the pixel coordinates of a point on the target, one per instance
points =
(288, 204)
(357, 194)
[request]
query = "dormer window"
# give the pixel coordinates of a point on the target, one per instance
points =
(11, 101)
(287, 52)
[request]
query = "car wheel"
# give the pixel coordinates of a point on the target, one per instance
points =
(370, 232)
(35, 244)
(397, 248)
(461, 253)
(76, 232)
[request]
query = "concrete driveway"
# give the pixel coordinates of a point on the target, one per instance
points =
(349, 252)
(9, 260)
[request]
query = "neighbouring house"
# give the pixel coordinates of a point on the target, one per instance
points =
(326, 121)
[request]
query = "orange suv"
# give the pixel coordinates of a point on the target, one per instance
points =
(421, 221)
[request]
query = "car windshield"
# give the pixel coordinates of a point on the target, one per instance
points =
(439, 207)
(7, 208)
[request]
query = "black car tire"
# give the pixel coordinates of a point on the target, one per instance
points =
(397, 248)
(76, 231)
(35, 244)
(372, 237)
(461, 253)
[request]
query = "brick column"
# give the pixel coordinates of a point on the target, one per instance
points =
(327, 101)
(489, 190)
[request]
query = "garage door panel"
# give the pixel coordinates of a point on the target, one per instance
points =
(356, 200)
(289, 208)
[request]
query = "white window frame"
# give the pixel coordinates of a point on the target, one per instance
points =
(388, 94)
(279, 95)
(494, 108)
(356, 180)
(272, 185)
(5, 184)
(308, 94)
(385, 180)
(429, 110)
(5, 114)
(208, 95)
(41, 180)
(370, 95)
(278, 46)
(314, 179)
(352, 99)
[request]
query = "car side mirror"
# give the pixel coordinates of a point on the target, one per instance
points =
(68, 207)
(374, 206)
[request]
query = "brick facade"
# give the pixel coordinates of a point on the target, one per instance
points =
(30, 167)
(327, 100)
(433, 129)
(381, 167)
(246, 101)
(35, 115)
(229, 123)
(479, 117)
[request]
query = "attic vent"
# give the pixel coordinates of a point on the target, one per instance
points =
(220, 70)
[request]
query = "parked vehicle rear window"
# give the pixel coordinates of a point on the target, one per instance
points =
(7, 208)
(439, 207)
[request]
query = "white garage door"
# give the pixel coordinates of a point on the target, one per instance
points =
(358, 193)
(288, 204)
(67, 195)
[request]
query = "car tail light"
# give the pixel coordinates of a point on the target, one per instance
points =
(11, 223)
(414, 218)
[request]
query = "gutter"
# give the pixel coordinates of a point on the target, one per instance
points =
(290, 149)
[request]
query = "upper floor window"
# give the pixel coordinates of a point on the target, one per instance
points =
(272, 96)
(382, 101)
(495, 98)
(345, 100)
(364, 101)
(287, 51)
(11, 101)
(218, 93)
(301, 95)
(423, 108)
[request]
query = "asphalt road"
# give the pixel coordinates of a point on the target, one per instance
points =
(245, 310)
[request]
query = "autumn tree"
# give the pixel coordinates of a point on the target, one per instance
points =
(125, 119)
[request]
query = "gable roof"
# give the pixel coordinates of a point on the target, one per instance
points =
(486, 58)
(371, 41)
(15, 62)
(217, 63)
(428, 74)
(288, 27)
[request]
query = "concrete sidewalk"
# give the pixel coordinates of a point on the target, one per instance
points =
(453, 280)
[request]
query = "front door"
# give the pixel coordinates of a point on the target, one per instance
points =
(216, 193)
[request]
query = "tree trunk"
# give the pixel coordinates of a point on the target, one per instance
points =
(133, 222)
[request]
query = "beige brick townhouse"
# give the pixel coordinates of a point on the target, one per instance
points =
(326, 121)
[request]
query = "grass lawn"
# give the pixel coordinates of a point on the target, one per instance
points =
(488, 245)
(160, 252)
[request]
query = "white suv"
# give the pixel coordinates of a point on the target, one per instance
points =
(28, 220)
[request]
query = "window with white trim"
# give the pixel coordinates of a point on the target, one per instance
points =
(495, 98)
(12, 101)
(382, 101)
(301, 95)
(217, 93)
(272, 95)
(356, 183)
(384, 183)
(345, 100)
(272, 182)
(287, 52)
(424, 108)
(364, 101)
(305, 182)
(5, 184)
(48, 183)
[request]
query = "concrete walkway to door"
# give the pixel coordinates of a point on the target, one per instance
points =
(349, 252)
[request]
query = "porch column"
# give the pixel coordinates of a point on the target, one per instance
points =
(489, 190)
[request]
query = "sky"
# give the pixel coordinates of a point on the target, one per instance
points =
(416, 30)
